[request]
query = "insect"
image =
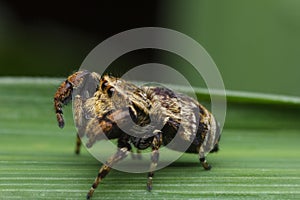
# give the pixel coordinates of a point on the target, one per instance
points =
(107, 107)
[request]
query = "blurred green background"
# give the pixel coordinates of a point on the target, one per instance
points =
(255, 43)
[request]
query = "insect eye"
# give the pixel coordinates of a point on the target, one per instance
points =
(110, 91)
(68, 84)
(104, 85)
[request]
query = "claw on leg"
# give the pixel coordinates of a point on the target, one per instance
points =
(202, 159)
(154, 158)
(204, 164)
(149, 182)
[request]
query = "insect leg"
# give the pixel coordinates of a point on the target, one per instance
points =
(202, 159)
(78, 118)
(105, 169)
(157, 141)
(62, 97)
(136, 155)
(78, 144)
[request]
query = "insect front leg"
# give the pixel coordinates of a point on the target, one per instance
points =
(80, 123)
(62, 97)
(122, 152)
(157, 141)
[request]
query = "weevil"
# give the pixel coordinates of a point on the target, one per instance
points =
(108, 107)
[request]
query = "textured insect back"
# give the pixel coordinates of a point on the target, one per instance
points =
(180, 115)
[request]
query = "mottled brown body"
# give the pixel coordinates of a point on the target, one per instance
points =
(111, 108)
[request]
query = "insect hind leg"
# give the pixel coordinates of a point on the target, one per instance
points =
(157, 141)
(202, 159)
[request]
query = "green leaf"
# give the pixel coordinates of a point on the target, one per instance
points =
(259, 156)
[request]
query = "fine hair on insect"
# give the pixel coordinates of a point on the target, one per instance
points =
(107, 107)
